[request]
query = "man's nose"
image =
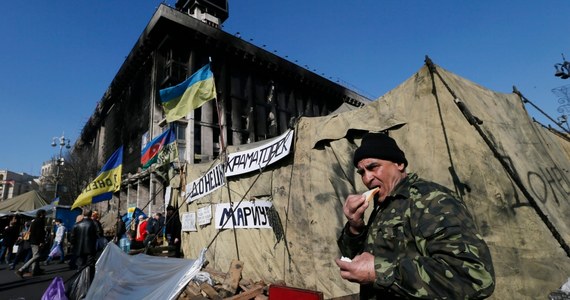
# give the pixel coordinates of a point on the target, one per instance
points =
(367, 177)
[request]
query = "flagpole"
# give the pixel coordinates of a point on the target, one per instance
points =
(224, 158)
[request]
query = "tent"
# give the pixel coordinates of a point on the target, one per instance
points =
(511, 172)
(67, 215)
(140, 276)
(25, 202)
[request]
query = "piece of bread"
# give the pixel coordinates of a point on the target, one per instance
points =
(370, 194)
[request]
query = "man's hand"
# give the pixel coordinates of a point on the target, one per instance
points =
(360, 270)
(354, 208)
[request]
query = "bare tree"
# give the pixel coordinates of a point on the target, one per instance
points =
(79, 169)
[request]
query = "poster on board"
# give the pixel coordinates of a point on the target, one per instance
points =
(188, 221)
(204, 215)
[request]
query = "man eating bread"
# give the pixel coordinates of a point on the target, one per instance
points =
(420, 241)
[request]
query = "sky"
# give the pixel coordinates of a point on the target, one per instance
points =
(57, 58)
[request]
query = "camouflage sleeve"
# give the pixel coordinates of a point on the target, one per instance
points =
(453, 260)
(350, 245)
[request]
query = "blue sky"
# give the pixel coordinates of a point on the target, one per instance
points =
(57, 58)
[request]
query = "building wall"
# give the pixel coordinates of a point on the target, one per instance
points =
(13, 184)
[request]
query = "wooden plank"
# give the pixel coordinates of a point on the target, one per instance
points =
(247, 294)
(192, 289)
(210, 291)
(234, 275)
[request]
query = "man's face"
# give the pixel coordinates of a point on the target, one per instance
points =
(384, 174)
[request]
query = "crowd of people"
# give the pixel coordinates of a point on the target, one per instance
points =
(25, 244)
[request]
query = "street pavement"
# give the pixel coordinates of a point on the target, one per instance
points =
(13, 287)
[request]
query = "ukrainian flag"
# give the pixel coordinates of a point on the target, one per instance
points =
(192, 93)
(107, 182)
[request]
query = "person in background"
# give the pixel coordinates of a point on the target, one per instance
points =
(24, 252)
(37, 242)
(101, 239)
(57, 242)
(419, 242)
(9, 239)
(173, 229)
(120, 230)
(141, 232)
(73, 258)
(84, 239)
(153, 228)
(95, 219)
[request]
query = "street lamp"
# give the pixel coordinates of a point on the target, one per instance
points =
(63, 142)
(562, 69)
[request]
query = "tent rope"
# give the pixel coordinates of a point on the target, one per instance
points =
(514, 177)
(456, 182)
(287, 208)
(224, 158)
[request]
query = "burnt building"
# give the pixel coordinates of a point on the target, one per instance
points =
(260, 95)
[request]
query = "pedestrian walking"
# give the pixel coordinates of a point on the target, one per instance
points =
(57, 248)
(84, 240)
(37, 235)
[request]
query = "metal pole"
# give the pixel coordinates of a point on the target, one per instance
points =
(59, 159)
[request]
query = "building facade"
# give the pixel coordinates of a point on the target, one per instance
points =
(13, 184)
(260, 96)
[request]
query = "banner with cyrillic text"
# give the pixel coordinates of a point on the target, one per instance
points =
(257, 158)
(211, 181)
(246, 215)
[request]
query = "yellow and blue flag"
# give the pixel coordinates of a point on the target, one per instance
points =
(192, 93)
(107, 182)
(55, 201)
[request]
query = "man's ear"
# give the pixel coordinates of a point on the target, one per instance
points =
(401, 166)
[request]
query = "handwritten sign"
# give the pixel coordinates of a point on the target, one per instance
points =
(238, 163)
(257, 158)
(211, 181)
(204, 215)
(246, 215)
(188, 221)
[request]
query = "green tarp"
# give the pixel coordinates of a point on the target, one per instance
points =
(24, 202)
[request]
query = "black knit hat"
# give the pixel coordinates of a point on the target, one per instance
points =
(379, 145)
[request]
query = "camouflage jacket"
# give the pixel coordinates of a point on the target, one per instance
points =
(425, 245)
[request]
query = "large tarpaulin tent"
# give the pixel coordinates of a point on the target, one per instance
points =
(25, 202)
(511, 172)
